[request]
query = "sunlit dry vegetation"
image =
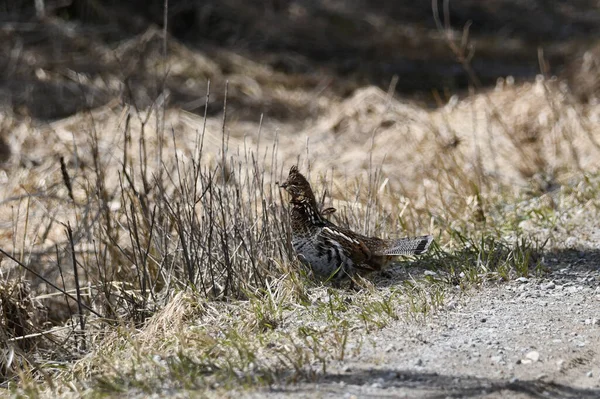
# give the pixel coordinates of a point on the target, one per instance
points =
(145, 247)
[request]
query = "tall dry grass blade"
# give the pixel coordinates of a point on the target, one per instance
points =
(81, 317)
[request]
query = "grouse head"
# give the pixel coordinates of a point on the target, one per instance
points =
(298, 187)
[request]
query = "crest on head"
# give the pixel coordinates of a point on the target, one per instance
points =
(298, 187)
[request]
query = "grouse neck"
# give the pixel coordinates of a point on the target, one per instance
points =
(305, 216)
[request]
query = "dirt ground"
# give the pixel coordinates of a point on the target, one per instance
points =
(535, 338)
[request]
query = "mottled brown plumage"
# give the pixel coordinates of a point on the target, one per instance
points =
(332, 251)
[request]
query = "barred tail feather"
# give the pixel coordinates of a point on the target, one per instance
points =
(408, 246)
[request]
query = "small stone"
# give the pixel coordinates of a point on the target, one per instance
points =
(419, 363)
(534, 356)
(589, 374)
(548, 286)
(596, 322)
(429, 273)
(522, 280)
(483, 320)
(496, 359)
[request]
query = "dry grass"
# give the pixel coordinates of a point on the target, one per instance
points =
(159, 244)
(175, 251)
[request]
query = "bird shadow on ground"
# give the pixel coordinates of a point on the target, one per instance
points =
(433, 385)
(572, 266)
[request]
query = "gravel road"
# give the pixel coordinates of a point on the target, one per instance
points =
(537, 337)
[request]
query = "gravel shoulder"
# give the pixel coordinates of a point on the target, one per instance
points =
(536, 337)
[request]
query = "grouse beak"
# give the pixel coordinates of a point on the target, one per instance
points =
(282, 185)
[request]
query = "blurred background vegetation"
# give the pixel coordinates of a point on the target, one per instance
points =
(331, 45)
(475, 121)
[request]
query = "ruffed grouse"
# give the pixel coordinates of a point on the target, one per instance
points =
(334, 252)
